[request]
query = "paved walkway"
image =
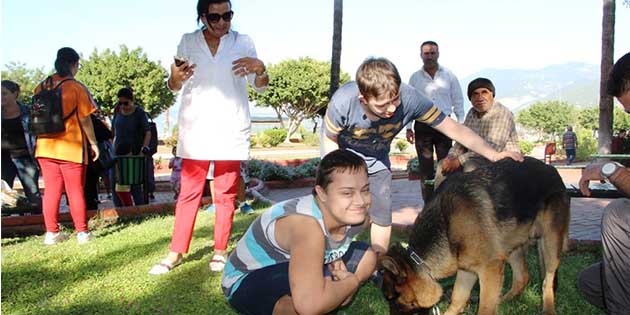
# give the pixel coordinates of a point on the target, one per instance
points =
(586, 213)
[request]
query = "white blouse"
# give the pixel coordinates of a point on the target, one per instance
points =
(214, 121)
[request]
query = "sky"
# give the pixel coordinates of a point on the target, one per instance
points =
(473, 35)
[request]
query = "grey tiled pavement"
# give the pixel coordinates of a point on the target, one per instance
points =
(586, 213)
(407, 202)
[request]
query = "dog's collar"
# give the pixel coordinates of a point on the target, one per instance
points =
(415, 258)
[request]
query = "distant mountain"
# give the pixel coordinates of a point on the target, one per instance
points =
(573, 82)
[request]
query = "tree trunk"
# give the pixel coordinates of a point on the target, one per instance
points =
(294, 124)
(335, 62)
(279, 115)
(605, 100)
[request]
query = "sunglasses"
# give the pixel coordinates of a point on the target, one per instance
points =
(215, 17)
(125, 103)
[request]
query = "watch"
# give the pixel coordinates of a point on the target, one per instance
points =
(609, 169)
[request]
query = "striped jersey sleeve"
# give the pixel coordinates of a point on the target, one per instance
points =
(421, 108)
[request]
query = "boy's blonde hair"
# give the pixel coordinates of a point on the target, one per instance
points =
(377, 77)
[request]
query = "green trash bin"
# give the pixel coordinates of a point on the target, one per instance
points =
(130, 169)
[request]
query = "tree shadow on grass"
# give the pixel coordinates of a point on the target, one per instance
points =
(15, 240)
(43, 282)
(54, 282)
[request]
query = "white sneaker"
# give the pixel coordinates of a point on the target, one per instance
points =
(84, 237)
(51, 238)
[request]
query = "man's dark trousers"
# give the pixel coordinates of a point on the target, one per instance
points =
(426, 139)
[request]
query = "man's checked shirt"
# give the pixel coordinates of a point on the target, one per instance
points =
(496, 126)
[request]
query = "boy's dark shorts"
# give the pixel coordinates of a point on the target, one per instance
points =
(260, 290)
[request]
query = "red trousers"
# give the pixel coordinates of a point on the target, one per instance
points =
(58, 174)
(125, 198)
(193, 179)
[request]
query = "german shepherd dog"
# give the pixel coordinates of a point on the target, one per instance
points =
(476, 222)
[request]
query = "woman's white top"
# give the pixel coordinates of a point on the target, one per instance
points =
(214, 121)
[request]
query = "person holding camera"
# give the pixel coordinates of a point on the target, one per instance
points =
(212, 69)
(132, 134)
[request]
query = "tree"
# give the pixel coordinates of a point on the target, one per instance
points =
(620, 119)
(298, 90)
(107, 72)
(335, 61)
(27, 78)
(549, 118)
(605, 100)
(588, 118)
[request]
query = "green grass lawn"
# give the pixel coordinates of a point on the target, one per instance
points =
(109, 276)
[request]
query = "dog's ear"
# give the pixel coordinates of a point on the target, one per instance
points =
(390, 264)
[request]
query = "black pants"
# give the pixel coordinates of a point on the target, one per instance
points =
(426, 139)
(606, 284)
(90, 190)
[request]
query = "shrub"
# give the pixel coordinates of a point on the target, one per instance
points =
(526, 147)
(311, 139)
(587, 145)
(253, 140)
(402, 145)
(272, 137)
(413, 166)
(172, 140)
(157, 163)
(308, 169)
(265, 170)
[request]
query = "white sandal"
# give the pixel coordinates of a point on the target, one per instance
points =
(163, 267)
(217, 263)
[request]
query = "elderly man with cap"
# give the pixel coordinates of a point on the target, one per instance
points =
(488, 118)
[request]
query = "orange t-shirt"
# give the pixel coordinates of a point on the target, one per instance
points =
(72, 144)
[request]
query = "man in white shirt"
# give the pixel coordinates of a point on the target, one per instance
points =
(442, 87)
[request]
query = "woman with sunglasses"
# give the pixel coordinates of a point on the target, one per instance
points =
(132, 135)
(213, 66)
(63, 156)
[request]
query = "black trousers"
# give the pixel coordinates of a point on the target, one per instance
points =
(427, 141)
(90, 190)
